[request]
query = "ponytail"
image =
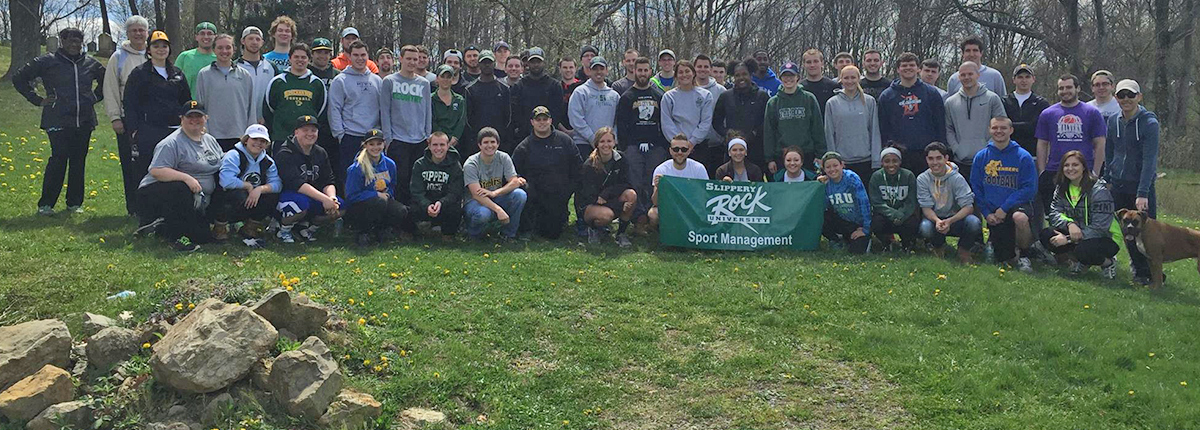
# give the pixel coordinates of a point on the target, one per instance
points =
(365, 164)
(593, 159)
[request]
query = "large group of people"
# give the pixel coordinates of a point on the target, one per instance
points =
(280, 138)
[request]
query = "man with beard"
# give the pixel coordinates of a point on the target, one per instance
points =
(623, 84)
(471, 61)
(1068, 125)
(342, 61)
(639, 133)
(535, 89)
(742, 109)
(489, 104)
(874, 82)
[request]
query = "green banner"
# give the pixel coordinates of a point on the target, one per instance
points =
(742, 216)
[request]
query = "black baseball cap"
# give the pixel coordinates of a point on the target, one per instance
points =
(304, 120)
(192, 106)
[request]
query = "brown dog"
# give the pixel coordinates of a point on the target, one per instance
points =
(1158, 241)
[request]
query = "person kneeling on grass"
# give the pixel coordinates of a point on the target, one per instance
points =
(180, 183)
(494, 187)
(309, 197)
(250, 187)
(1005, 181)
(371, 193)
(1080, 215)
(679, 166)
(848, 215)
(738, 168)
(947, 203)
(437, 186)
(793, 167)
(604, 193)
(893, 191)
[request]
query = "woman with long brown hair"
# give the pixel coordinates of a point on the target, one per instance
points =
(604, 192)
(1080, 216)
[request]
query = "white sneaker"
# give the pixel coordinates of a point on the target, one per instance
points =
(623, 240)
(1109, 271)
(1024, 265)
(309, 233)
(593, 236)
(285, 235)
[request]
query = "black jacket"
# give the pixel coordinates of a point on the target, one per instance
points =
(607, 182)
(1024, 117)
(68, 79)
(550, 165)
(753, 172)
(151, 100)
(489, 104)
(297, 169)
(744, 111)
(532, 92)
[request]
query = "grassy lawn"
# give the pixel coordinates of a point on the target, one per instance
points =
(545, 335)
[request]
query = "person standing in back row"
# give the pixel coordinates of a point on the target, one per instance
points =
(639, 133)
(489, 104)
(665, 79)
(224, 84)
(852, 125)
(911, 113)
(353, 108)
(154, 100)
(296, 92)
(1103, 83)
(406, 112)
(743, 109)
(874, 82)
(260, 69)
(1067, 125)
(192, 60)
(765, 78)
(968, 113)
(129, 55)
(815, 81)
(593, 106)
(793, 119)
(687, 110)
(536, 88)
(1132, 148)
(68, 115)
(972, 50)
(283, 32)
(348, 36)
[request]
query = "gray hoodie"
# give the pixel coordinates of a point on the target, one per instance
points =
(968, 121)
(590, 108)
(354, 103)
(716, 89)
(946, 194)
(263, 74)
(119, 65)
(405, 109)
(231, 94)
(852, 127)
(687, 112)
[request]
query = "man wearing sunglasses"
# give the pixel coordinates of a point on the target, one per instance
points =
(1132, 151)
(679, 166)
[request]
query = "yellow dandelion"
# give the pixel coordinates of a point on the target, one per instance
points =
(370, 293)
(437, 375)
(362, 321)
(147, 346)
(1151, 355)
(315, 274)
(995, 333)
(1182, 383)
(179, 306)
(385, 315)
(1087, 306)
(1131, 392)
(941, 277)
(350, 301)
(406, 307)
(378, 368)
(367, 362)
(191, 306)
(566, 422)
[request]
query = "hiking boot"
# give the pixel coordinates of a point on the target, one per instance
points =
(220, 231)
(623, 240)
(1024, 265)
(184, 244)
(251, 229)
(45, 210)
(1109, 269)
(148, 228)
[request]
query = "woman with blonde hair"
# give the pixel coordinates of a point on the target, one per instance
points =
(852, 124)
(371, 193)
(604, 192)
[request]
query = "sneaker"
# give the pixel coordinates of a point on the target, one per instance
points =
(1109, 271)
(75, 209)
(220, 231)
(1076, 267)
(285, 235)
(1024, 265)
(45, 210)
(623, 240)
(364, 239)
(253, 243)
(309, 233)
(593, 236)
(148, 228)
(183, 244)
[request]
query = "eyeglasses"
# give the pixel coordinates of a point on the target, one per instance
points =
(679, 149)
(1126, 95)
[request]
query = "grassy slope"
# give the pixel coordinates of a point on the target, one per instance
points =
(551, 335)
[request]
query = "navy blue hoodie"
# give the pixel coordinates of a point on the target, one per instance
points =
(1132, 153)
(912, 117)
(1003, 178)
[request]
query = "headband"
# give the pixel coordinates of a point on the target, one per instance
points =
(890, 150)
(736, 141)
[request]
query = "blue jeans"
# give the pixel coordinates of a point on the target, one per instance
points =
(966, 229)
(478, 216)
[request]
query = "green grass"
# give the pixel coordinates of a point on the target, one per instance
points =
(554, 335)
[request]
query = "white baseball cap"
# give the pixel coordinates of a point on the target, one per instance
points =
(257, 131)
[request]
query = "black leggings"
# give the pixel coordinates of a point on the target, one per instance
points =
(230, 206)
(175, 203)
(1089, 252)
(68, 154)
(837, 228)
(449, 218)
(376, 214)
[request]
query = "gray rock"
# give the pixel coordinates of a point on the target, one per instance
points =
(351, 410)
(297, 315)
(216, 408)
(30, 396)
(152, 332)
(27, 347)
(213, 347)
(177, 412)
(110, 346)
(93, 323)
(261, 372)
(168, 426)
(306, 380)
(75, 414)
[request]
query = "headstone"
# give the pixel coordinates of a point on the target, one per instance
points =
(91, 47)
(106, 44)
(52, 44)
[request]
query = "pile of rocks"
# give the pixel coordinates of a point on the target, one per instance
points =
(209, 350)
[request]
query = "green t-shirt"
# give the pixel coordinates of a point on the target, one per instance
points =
(191, 61)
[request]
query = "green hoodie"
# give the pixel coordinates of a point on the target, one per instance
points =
(793, 119)
(437, 181)
(290, 96)
(893, 196)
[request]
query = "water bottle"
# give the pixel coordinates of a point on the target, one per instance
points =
(122, 295)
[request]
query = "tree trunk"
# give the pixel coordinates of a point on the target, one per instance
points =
(172, 27)
(26, 16)
(104, 17)
(133, 9)
(1182, 100)
(1162, 38)
(412, 22)
(158, 14)
(1101, 36)
(205, 10)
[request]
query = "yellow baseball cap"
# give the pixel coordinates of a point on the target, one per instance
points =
(159, 35)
